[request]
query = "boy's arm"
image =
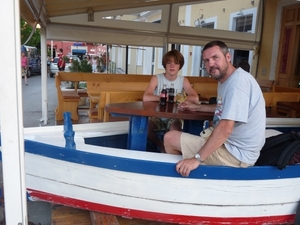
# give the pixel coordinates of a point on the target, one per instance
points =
(192, 95)
(148, 94)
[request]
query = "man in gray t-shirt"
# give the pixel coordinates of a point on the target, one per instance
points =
(238, 133)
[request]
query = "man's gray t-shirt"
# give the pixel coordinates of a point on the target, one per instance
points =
(240, 99)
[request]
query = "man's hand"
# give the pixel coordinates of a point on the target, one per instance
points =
(184, 167)
(186, 105)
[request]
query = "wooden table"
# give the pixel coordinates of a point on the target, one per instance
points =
(140, 111)
(292, 109)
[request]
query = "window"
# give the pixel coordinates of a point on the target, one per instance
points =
(243, 21)
(139, 56)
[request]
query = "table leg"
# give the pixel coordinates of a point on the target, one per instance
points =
(137, 134)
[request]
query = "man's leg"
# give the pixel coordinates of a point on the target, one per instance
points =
(175, 125)
(172, 142)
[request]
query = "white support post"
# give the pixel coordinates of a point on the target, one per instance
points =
(44, 77)
(11, 109)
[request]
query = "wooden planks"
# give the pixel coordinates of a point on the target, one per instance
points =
(103, 219)
(63, 215)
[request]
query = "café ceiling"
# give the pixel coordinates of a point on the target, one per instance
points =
(44, 10)
(67, 20)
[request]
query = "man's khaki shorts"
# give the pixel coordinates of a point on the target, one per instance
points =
(191, 144)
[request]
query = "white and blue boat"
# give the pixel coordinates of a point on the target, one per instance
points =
(102, 175)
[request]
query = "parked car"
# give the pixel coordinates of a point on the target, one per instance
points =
(54, 67)
(34, 59)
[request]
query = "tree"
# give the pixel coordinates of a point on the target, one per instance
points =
(26, 30)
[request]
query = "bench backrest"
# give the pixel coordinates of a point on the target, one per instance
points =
(106, 77)
(58, 89)
(277, 88)
(115, 97)
(97, 87)
(271, 98)
(206, 90)
(265, 85)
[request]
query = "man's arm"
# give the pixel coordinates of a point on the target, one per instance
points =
(217, 138)
(148, 94)
(192, 95)
(187, 105)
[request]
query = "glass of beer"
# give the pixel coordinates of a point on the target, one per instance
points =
(180, 96)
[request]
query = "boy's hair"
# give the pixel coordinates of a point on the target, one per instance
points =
(223, 47)
(175, 55)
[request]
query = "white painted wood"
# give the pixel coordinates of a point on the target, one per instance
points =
(11, 115)
(162, 194)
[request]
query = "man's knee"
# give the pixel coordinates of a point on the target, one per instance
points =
(168, 137)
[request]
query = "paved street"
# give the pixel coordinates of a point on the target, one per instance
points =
(32, 101)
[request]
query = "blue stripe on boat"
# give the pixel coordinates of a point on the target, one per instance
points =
(159, 168)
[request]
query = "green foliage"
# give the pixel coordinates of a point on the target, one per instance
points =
(26, 29)
(86, 67)
(75, 66)
(66, 58)
(78, 66)
(82, 66)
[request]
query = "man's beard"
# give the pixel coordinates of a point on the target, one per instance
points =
(222, 72)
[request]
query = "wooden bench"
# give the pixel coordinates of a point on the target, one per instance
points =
(108, 82)
(206, 90)
(277, 88)
(79, 76)
(107, 97)
(265, 85)
(271, 99)
(68, 100)
(94, 88)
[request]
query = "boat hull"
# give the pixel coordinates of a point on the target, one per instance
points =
(137, 184)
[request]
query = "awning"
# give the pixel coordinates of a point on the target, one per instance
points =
(81, 51)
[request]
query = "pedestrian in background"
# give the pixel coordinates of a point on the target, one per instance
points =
(61, 63)
(94, 64)
(24, 64)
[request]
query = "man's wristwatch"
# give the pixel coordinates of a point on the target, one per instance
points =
(198, 157)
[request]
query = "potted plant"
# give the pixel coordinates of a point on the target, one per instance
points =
(80, 66)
